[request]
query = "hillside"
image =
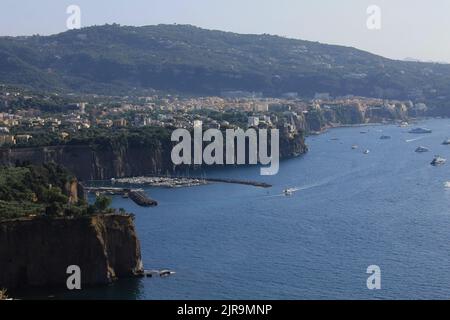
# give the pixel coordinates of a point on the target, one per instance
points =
(117, 59)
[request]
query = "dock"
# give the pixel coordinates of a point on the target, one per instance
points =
(220, 180)
(243, 182)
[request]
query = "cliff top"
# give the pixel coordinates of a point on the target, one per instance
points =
(28, 191)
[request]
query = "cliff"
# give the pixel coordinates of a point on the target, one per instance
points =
(36, 252)
(92, 163)
(88, 162)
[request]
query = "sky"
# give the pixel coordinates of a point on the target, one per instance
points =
(416, 29)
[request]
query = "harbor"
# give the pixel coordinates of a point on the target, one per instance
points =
(120, 186)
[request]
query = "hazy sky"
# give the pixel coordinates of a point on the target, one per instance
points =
(409, 28)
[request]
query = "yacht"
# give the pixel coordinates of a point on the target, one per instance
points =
(420, 130)
(438, 161)
(354, 147)
(422, 149)
(166, 273)
(158, 273)
(366, 151)
(289, 191)
(446, 142)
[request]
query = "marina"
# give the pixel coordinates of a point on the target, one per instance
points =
(177, 181)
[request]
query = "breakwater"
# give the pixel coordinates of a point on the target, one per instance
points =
(137, 195)
(207, 180)
(140, 198)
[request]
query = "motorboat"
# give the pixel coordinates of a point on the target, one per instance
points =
(438, 161)
(422, 149)
(420, 131)
(166, 273)
(158, 273)
(366, 151)
(289, 191)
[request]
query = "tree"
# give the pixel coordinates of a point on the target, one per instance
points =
(102, 203)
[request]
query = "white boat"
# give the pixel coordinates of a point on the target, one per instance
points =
(446, 142)
(166, 273)
(354, 147)
(438, 161)
(158, 273)
(447, 184)
(366, 151)
(289, 191)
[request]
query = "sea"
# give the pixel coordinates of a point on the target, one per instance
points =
(387, 208)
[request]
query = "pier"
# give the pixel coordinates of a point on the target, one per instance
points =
(220, 180)
(237, 181)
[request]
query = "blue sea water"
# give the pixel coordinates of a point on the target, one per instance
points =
(387, 208)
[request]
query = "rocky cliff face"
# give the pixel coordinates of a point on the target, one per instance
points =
(93, 163)
(97, 163)
(36, 252)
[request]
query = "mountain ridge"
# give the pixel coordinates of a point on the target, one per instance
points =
(191, 60)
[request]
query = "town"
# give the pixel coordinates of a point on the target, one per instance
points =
(28, 119)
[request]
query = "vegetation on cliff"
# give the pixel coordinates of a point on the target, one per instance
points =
(47, 190)
(103, 138)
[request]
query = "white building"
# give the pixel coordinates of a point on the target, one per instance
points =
(253, 122)
(198, 123)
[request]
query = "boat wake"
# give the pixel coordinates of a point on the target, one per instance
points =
(412, 140)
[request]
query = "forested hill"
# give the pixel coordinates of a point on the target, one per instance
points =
(187, 59)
